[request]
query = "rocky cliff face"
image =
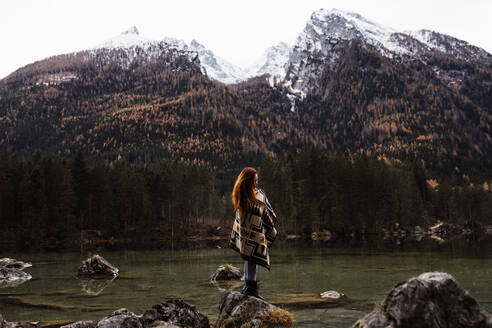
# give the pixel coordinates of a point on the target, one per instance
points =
(317, 48)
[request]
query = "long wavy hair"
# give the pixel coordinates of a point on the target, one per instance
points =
(243, 193)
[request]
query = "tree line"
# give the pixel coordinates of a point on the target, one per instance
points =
(50, 200)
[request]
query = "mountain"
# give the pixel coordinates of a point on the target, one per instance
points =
(346, 84)
(216, 67)
(271, 63)
(211, 65)
(320, 43)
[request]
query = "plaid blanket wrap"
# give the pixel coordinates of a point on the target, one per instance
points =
(252, 235)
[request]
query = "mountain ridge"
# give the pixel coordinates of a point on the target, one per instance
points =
(157, 101)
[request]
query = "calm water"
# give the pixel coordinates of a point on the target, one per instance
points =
(149, 277)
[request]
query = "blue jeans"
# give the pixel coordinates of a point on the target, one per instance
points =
(250, 270)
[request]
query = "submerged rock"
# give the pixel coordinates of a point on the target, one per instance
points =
(14, 264)
(97, 267)
(226, 272)
(176, 312)
(433, 299)
(332, 295)
(325, 299)
(238, 310)
(10, 277)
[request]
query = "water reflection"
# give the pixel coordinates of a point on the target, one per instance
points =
(12, 283)
(226, 285)
(94, 287)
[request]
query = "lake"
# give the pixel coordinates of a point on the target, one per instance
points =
(364, 272)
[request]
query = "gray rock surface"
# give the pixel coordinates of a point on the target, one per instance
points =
(122, 318)
(97, 267)
(240, 311)
(14, 264)
(433, 299)
(81, 324)
(19, 324)
(162, 324)
(10, 277)
(225, 273)
(176, 312)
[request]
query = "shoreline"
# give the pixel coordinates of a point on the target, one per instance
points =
(219, 238)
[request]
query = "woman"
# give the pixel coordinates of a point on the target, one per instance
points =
(253, 231)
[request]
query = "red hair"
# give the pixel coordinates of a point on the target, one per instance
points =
(243, 193)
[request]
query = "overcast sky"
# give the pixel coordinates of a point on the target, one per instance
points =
(238, 31)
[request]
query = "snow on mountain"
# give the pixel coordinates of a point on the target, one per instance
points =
(130, 46)
(272, 62)
(211, 65)
(319, 43)
(449, 45)
(216, 67)
(129, 38)
(345, 25)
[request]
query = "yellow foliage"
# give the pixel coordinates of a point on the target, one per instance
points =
(277, 318)
(230, 267)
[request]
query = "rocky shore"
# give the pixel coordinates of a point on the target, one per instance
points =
(431, 300)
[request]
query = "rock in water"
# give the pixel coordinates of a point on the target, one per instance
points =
(12, 277)
(226, 272)
(175, 312)
(14, 264)
(5, 324)
(331, 294)
(433, 299)
(238, 310)
(97, 267)
(122, 318)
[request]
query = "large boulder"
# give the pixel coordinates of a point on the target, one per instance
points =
(97, 267)
(14, 264)
(10, 277)
(174, 312)
(433, 299)
(81, 324)
(122, 318)
(226, 272)
(240, 311)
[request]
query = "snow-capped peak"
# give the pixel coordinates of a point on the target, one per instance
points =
(216, 67)
(131, 30)
(128, 38)
(318, 42)
(272, 62)
(175, 43)
(345, 25)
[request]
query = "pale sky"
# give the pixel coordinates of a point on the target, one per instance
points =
(238, 31)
